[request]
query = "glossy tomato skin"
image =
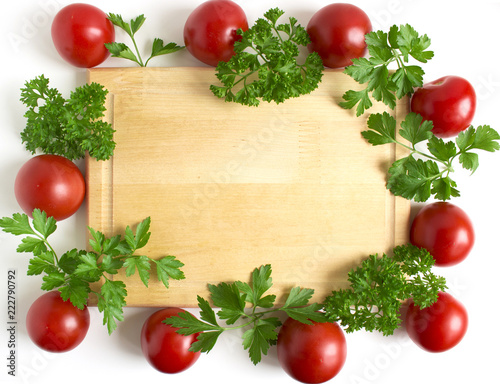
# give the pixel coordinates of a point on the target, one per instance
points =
(79, 32)
(439, 327)
(52, 184)
(165, 349)
(445, 230)
(210, 30)
(337, 33)
(56, 325)
(311, 353)
(449, 102)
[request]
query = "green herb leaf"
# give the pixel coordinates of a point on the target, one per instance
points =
(53, 280)
(19, 224)
(261, 282)
(111, 302)
(122, 51)
(141, 236)
(34, 245)
(296, 306)
(265, 64)
(43, 263)
(141, 263)
(382, 129)
(119, 22)
(159, 49)
(87, 268)
(77, 291)
(258, 340)
(168, 268)
(43, 224)
(414, 128)
(228, 298)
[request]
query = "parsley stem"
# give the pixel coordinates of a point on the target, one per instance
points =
(137, 51)
(414, 150)
(45, 241)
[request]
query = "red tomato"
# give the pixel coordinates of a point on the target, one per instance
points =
(449, 102)
(439, 327)
(165, 349)
(312, 353)
(56, 325)
(445, 231)
(337, 33)
(210, 30)
(52, 184)
(79, 32)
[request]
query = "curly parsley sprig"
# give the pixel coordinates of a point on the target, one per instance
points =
(232, 299)
(380, 285)
(73, 272)
(397, 46)
(121, 50)
(265, 64)
(421, 175)
(69, 127)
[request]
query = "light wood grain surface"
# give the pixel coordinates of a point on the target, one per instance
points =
(229, 187)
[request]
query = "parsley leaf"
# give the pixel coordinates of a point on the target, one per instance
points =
(73, 273)
(384, 85)
(378, 287)
(265, 64)
(68, 128)
(121, 50)
(422, 175)
(260, 329)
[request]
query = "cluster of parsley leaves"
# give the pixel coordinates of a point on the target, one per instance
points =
(380, 285)
(397, 46)
(428, 175)
(265, 63)
(74, 272)
(66, 127)
(419, 175)
(232, 299)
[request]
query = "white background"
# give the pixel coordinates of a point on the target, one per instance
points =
(465, 40)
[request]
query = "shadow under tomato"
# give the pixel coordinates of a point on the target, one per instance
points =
(129, 330)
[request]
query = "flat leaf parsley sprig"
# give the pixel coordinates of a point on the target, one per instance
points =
(397, 46)
(269, 51)
(73, 272)
(69, 127)
(121, 50)
(232, 300)
(421, 175)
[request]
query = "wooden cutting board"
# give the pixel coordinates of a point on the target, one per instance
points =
(230, 187)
